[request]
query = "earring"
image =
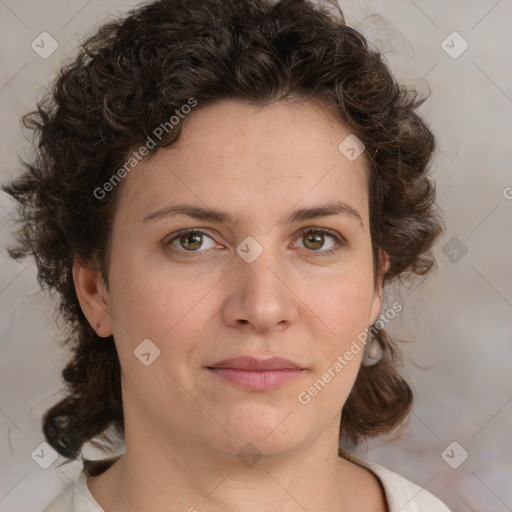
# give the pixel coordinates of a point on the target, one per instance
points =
(372, 353)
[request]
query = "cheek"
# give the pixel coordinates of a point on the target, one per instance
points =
(344, 309)
(342, 303)
(349, 307)
(158, 304)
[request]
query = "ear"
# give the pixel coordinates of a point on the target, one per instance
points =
(93, 297)
(379, 291)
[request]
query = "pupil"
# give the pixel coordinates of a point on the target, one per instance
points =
(193, 237)
(317, 240)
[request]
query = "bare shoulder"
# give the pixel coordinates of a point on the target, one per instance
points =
(363, 489)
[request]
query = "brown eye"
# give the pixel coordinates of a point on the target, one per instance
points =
(190, 241)
(313, 240)
(322, 241)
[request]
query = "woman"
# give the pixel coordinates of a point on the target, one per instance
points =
(220, 194)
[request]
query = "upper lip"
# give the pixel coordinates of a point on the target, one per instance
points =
(252, 363)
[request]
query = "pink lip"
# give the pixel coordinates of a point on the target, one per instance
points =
(251, 363)
(256, 374)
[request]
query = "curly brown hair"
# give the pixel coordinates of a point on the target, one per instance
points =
(130, 77)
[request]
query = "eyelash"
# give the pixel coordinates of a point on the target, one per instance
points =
(340, 240)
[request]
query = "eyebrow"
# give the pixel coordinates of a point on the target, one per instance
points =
(220, 216)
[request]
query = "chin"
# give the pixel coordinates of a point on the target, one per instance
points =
(268, 430)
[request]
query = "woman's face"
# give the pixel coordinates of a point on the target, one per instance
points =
(266, 281)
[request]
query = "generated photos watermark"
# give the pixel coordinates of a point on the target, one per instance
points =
(304, 397)
(158, 133)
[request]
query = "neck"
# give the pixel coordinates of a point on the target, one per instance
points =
(148, 477)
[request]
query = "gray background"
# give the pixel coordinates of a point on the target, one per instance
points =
(459, 320)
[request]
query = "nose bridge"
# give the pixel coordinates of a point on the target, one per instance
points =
(260, 265)
(259, 293)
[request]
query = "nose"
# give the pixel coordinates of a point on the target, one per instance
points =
(260, 294)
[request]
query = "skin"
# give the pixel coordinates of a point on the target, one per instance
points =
(184, 425)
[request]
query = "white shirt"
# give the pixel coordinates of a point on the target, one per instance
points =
(402, 495)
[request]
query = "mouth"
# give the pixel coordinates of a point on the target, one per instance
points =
(256, 374)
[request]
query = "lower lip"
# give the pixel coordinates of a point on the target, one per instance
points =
(261, 380)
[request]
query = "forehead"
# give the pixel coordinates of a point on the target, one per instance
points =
(264, 157)
(294, 129)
